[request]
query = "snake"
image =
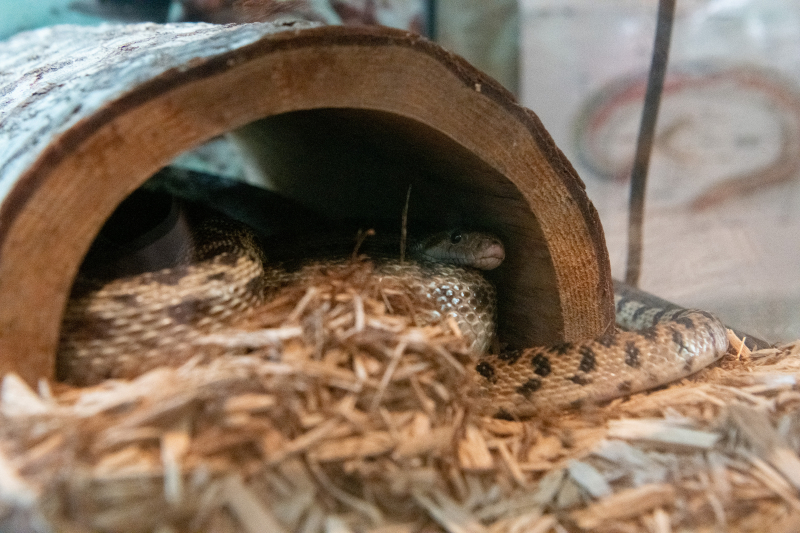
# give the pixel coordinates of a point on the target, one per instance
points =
(122, 327)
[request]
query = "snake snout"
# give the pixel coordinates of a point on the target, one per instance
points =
(474, 249)
(489, 253)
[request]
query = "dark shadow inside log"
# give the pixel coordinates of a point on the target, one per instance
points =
(355, 163)
(356, 166)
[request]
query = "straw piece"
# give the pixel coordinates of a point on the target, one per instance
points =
(473, 452)
(248, 510)
(18, 399)
(625, 504)
(662, 433)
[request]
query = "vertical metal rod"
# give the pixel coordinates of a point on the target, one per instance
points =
(644, 142)
(431, 16)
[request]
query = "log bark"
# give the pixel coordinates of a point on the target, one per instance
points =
(88, 114)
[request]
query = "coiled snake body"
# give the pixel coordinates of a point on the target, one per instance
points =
(123, 327)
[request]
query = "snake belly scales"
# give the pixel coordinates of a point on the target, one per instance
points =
(121, 328)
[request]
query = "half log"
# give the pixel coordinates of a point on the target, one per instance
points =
(88, 114)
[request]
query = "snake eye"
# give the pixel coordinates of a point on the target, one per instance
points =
(455, 237)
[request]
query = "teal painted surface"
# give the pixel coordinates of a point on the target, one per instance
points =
(22, 15)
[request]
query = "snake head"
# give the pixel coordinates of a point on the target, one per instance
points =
(475, 249)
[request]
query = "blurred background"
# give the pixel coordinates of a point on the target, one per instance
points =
(722, 227)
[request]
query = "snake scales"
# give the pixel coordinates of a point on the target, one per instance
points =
(122, 327)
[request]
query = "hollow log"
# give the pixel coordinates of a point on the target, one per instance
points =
(341, 120)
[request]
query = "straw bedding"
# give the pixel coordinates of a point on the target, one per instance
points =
(329, 409)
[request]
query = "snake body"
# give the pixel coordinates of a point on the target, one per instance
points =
(664, 346)
(122, 327)
(125, 326)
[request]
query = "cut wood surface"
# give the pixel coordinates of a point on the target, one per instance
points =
(88, 114)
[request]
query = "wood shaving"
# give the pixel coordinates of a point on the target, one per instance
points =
(330, 410)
